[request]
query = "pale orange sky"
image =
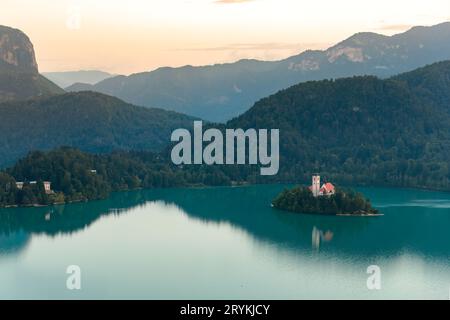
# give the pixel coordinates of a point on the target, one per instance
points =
(139, 35)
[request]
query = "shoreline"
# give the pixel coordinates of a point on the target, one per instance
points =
(232, 185)
(368, 215)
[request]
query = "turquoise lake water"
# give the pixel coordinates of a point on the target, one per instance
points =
(226, 243)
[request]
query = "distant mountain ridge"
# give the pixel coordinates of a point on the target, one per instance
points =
(221, 92)
(19, 75)
(65, 79)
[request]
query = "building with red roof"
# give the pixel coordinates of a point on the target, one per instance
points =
(327, 189)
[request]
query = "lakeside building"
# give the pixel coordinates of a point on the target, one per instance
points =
(327, 189)
(47, 185)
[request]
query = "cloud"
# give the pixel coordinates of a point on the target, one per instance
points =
(232, 1)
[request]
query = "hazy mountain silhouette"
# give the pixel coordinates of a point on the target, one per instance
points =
(68, 78)
(221, 92)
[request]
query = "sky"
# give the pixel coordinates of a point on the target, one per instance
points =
(131, 36)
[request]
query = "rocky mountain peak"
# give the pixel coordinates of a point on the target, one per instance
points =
(16, 51)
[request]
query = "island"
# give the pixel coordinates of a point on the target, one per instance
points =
(325, 199)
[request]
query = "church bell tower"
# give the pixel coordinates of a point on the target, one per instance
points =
(315, 188)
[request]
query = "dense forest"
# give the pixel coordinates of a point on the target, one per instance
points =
(363, 130)
(89, 121)
(80, 176)
(301, 200)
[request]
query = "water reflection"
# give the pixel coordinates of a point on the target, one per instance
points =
(319, 236)
(422, 229)
(223, 243)
(13, 243)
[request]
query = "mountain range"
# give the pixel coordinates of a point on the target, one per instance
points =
(19, 75)
(35, 114)
(67, 78)
(361, 130)
(221, 92)
(355, 130)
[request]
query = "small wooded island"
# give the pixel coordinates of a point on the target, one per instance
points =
(324, 200)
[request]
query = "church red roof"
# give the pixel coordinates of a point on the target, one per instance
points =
(328, 187)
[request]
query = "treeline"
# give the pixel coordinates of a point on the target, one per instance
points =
(80, 176)
(301, 200)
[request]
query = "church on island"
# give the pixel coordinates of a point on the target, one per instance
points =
(327, 189)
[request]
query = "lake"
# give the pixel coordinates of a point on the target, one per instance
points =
(226, 243)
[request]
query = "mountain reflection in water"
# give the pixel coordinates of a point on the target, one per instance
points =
(405, 226)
